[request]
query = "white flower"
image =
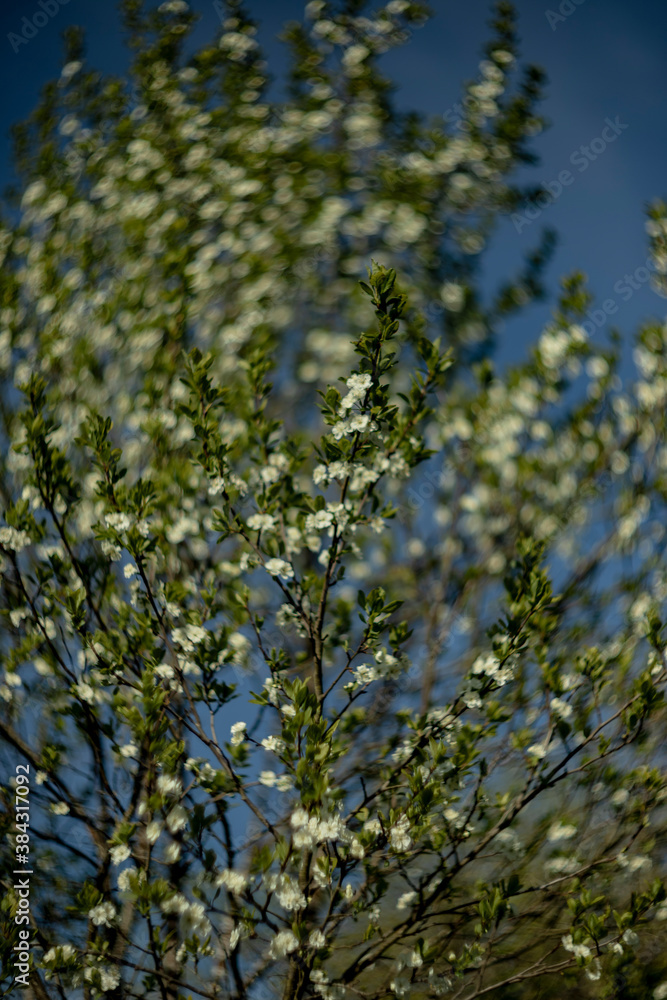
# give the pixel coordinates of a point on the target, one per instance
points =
(278, 567)
(502, 56)
(173, 7)
(357, 849)
(320, 475)
(487, 664)
(189, 636)
(153, 831)
(216, 485)
(234, 882)
(283, 944)
(238, 733)
(274, 744)
(176, 903)
(358, 386)
(103, 914)
(354, 55)
(316, 939)
(314, 8)
(561, 708)
(261, 522)
(10, 538)
(111, 550)
(173, 852)
(593, 971)
(362, 477)
(283, 782)
(578, 950)
(561, 831)
(399, 835)
(289, 894)
(340, 428)
(400, 988)
(237, 44)
(70, 69)
(299, 818)
(60, 808)
(125, 877)
(177, 819)
(272, 690)
(373, 826)
(319, 521)
(109, 977)
(359, 383)
(360, 422)
(561, 865)
(167, 784)
(194, 920)
(453, 296)
(119, 853)
(405, 900)
(119, 521)
(60, 954)
(660, 992)
(239, 643)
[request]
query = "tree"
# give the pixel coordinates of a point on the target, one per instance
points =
(357, 694)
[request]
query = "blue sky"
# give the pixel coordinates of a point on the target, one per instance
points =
(605, 59)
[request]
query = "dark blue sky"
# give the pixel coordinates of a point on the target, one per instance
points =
(607, 59)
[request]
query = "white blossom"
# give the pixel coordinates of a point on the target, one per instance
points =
(119, 853)
(406, 899)
(153, 831)
(238, 731)
(236, 882)
(103, 915)
(561, 831)
(280, 568)
(578, 950)
(316, 939)
(284, 943)
(399, 835)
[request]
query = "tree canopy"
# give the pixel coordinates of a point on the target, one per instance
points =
(333, 656)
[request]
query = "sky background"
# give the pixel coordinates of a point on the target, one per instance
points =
(607, 59)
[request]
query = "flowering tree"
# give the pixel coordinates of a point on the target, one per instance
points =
(349, 684)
